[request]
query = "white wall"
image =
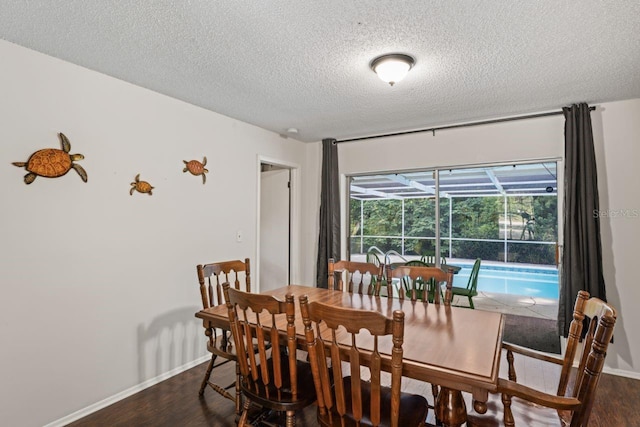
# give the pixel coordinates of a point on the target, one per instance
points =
(99, 288)
(616, 128)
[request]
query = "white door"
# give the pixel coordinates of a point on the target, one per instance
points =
(274, 229)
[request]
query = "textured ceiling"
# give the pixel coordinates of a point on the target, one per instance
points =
(305, 64)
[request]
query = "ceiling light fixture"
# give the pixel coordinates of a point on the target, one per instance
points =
(393, 67)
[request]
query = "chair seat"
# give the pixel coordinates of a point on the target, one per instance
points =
(413, 408)
(263, 394)
(464, 291)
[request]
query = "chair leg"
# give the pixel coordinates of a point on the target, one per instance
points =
(207, 375)
(508, 415)
(242, 422)
(471, 303)
(434, 391)
(291, 419)
(238, 391)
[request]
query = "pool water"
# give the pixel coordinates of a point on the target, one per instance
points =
(527, 281)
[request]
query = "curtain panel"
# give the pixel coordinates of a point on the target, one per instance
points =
(329, 232)
(582, 254)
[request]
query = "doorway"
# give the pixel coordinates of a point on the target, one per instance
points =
(275, 226)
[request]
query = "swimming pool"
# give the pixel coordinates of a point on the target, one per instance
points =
(509, 279)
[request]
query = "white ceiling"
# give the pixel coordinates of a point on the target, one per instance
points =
(305, 64)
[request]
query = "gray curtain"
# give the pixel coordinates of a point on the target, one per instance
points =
(582, 255)
(329, 235)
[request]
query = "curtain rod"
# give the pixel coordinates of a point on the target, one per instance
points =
(485, 122)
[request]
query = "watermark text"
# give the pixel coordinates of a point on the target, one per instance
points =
(616, 213)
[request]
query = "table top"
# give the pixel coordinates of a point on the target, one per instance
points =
(454, 268)
(451, 346)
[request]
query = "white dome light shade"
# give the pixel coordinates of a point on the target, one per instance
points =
(393, 67)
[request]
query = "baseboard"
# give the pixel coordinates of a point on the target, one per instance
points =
(622, 373)
(125, 393)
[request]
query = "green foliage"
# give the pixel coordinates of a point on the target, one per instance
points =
(528, 218)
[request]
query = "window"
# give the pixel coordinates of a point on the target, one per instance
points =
(502, 213)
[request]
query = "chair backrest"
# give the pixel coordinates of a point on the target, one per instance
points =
(211, 277)
(342, 336)
(601, 319)
(431, 259)
(472, 284)
(417, 280)
(359, 277)
(254, 320)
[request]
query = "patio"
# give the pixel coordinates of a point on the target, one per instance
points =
(521, 305)
(513, 304)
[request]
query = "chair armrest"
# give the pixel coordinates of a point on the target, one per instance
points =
(532, 353)
(532, 395)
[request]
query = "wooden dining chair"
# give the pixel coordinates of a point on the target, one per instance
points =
(471, 290)
(419, 282)
(359, 277)
(273, 377)
(572, 403)
(211, 277)
(334, 334)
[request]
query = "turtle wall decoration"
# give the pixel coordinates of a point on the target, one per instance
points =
(52, 162)
(140, 186)
(197, 168)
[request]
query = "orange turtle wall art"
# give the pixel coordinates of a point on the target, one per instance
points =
(52, 162)
(196, 168)
(140, 186)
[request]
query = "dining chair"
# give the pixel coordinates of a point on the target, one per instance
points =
(273, 377)
(334, 334)
(211, 277)
(359, 277)
(572, 403)
(431, 259)
(420, 282)
(471, 290)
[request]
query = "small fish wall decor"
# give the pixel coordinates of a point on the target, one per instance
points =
(52, 162)
(140, 186)
(196, 168)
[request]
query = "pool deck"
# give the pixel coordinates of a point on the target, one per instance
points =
(512, 304)
(521, 305)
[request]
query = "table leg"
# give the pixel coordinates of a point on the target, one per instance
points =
(450, 408)
(479, 397)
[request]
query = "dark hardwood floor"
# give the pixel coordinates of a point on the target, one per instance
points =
(175, 402)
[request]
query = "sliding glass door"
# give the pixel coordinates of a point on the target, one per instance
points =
(502, 213)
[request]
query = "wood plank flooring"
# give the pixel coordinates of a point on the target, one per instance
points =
(175, 402)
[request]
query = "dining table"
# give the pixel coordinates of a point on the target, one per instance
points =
(455, 269)
(456, 348)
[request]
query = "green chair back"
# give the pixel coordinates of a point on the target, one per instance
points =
(420, 285)
(373, 258)
(472, 286)
(471, 290)
(431, 260)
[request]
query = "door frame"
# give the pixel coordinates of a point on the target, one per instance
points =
(294, 217)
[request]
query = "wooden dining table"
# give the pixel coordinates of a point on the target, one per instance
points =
(454, 347)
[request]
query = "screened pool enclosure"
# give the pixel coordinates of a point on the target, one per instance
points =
(506, 213)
